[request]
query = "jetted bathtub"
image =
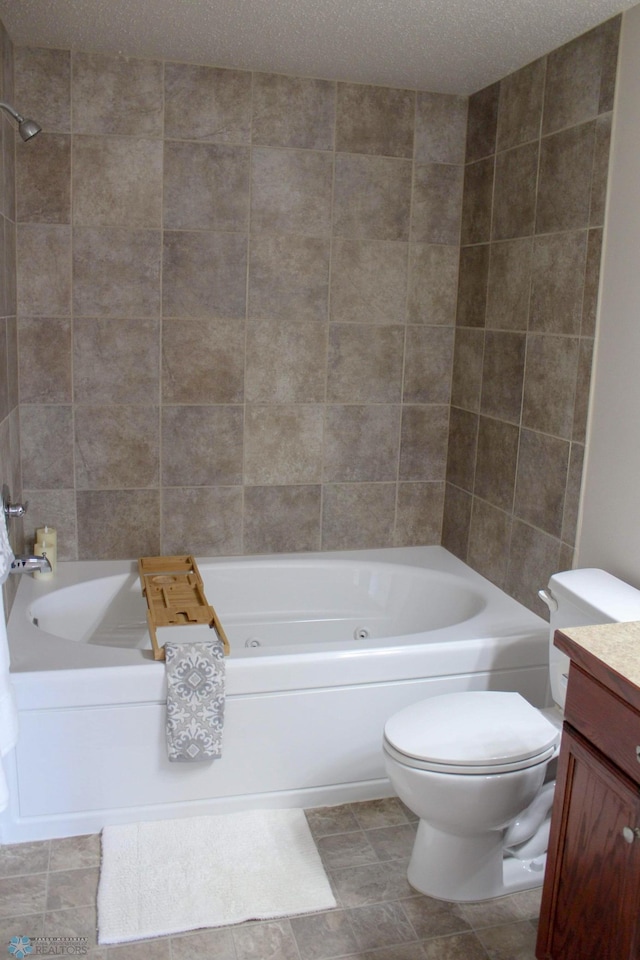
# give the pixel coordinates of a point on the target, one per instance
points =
(324, 648)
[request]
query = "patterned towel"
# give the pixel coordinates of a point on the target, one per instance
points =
(195, 700)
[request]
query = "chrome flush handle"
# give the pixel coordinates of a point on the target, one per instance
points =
(631, 833)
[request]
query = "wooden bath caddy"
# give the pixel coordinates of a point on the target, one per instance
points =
(174, 591)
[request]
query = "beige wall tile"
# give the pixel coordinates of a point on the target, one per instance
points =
(361, 442)
(116, 95)
(564, 191)
(44, 364)
(204, 274)
(437, 202)
(291, 191)
(286, 362)
(203, 361)
(116, 272)
(293, 112)
(134, 535)
(46, 436)
(117, 181)
(358, 516)
(283, 444)
(45, 291)
(365, 363)
(433, 281)
(375, 120)
(368, 281)
(423, 445)
(288, 277)
(116, 447)
(206, 186)
(282, 519)
(201, 445)
(43, 86)
(372, 198)
(428, 364)
(116, 361)
(419, 514)
(441, 128)
(207, 103)
(43, 185)
(205, 521)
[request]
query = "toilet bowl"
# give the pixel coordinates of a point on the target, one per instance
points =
(473, 766)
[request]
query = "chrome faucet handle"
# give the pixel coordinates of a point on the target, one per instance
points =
(14, 511)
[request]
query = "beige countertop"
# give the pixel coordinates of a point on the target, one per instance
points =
(616, 645)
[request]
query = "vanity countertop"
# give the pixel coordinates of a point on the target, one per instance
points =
(610, 652)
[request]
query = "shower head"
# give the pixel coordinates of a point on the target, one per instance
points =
(26, 128)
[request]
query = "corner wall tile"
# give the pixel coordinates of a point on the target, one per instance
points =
(482, 123)
(419, 514)
(520, 106)
(441, 128)
(433, 282)
(541, 481)
(564, 189)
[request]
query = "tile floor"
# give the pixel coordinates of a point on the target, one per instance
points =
(48, 889)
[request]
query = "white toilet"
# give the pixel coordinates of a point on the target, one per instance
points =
(472, 765)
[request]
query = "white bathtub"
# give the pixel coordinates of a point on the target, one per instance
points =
(324, 647)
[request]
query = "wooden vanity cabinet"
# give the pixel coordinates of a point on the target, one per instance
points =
(591, 895)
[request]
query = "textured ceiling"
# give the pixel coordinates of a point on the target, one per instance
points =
(446, 46)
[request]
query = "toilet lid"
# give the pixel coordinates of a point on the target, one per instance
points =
(471, 732)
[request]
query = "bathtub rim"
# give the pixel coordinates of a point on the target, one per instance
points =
(94, 675)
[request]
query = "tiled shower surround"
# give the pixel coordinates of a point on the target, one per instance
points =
(239, 322)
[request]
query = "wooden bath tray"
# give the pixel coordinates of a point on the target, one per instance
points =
(174, 591)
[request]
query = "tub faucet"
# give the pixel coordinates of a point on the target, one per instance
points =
(29, 563)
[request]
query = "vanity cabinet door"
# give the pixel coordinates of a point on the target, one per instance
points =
(591, 899)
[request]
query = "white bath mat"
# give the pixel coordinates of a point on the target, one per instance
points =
(170, 876)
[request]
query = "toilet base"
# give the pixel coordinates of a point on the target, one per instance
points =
(464, 869)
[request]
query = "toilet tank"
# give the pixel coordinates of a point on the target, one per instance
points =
(577, 598)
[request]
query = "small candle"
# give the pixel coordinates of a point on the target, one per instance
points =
(47, 535)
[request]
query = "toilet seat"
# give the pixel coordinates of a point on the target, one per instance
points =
(478, 732)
